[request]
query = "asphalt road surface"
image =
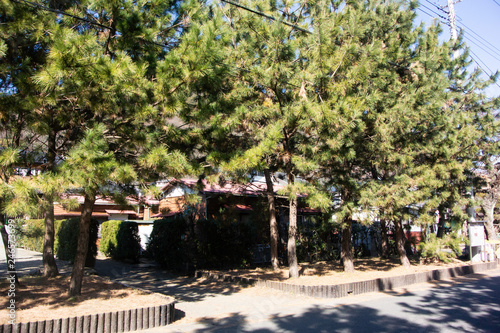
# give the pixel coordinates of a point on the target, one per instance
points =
(467, 304)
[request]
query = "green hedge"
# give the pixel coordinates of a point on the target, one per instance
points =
(31, 234)
(67, 238)
(177, 244)
(120, 240)
(223, 244)
(167, 243)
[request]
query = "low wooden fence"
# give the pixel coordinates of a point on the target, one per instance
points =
(110, 322)
(356, 288)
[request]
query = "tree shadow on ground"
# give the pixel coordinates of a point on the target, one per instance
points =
(348, 318)
(53, 292)
(473, 305)
(182, 288)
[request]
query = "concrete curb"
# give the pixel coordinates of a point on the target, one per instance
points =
(355, 288)
(109, 322)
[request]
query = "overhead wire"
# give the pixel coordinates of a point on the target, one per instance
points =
(432, 11)
(476, 59)
(482, 48)
(423, 11)
(266, 16)
(60, 12)
(460, 22)
(492, 47)
(474, 40)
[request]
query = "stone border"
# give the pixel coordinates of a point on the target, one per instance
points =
(110, 322)
(355, 288)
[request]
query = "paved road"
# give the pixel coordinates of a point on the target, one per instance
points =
(467, 304)
(470, 304)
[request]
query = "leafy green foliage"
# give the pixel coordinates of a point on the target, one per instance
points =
(174, 243)
(67, 238)
(167, 242)
(441, 249)
(30, 234)
(120, 240)
(223, 244)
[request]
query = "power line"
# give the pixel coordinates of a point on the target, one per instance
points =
(476, 59)
(36, 5)
(438, 7)
(432, 11)
(482, 48)
(491, 46)
(472, 39)
(266, 16)
(495, 1)
(432, 16)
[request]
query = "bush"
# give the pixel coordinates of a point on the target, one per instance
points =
(223, 244)
(177, 244)
(30, 233)
(167, 242)
(440, 249)
(120, 240)
(67, 238)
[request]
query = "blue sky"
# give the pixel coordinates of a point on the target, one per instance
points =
(481, 21)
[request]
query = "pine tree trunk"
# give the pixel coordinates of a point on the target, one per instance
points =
(346, 253)
(49, 262)
(75, 287)
(488, 204)
(292, 245)
(400, 244)
(385, 239)
(11, 265)
(440, 224)
(273, 223)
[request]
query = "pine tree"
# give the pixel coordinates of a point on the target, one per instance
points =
(22, 53)
(268, 107)
(92, 167)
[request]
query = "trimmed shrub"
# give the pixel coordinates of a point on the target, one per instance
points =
(168, 244)
(31, 233)
(67, 238)
(109, 231)
(179, 245)
(223, 244)
(120, 240)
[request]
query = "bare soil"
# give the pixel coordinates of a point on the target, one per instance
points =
(330, 273)
(39, 298)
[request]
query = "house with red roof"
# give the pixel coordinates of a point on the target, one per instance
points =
(104, 209)
(212, 201)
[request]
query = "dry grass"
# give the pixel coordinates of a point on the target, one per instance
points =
(327, 273)
(39, 298)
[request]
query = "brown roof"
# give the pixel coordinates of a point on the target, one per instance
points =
(255, 188)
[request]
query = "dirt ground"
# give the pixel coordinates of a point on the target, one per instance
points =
(326, 273)
(39, 298)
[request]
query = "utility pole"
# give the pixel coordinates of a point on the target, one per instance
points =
(453, 23)
(452, 18)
